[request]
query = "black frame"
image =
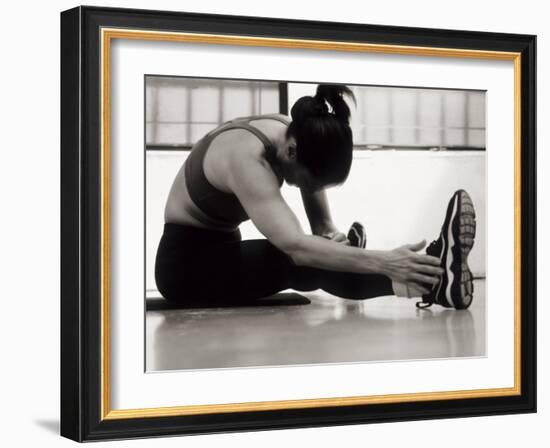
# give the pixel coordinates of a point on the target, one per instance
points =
(80, 223)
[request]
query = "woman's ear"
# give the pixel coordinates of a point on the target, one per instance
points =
(291, 149)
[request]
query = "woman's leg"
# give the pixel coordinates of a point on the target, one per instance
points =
(251, 269)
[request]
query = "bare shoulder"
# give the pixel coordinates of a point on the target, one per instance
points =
(270, 116)
(249, 168)
(240, 146)
(283, 116)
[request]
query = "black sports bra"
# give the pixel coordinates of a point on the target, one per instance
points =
(223, 207)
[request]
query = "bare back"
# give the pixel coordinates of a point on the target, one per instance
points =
(180, 207)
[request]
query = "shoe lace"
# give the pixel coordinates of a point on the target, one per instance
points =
(423, 305)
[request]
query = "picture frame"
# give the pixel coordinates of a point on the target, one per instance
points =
(87, 34)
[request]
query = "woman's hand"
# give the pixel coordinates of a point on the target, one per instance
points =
(337, 237)
(405, 265)
(328, 230)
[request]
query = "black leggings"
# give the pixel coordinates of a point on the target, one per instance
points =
(197, 266)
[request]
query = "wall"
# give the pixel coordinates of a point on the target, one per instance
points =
(29, 181)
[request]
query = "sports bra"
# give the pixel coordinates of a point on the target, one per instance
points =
(223, 207)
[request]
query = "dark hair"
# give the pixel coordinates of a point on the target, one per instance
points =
(324, 140)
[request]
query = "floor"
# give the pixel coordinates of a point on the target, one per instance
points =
(326, 330)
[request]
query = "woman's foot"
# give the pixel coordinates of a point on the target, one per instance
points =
(453, 246)
(357, 235)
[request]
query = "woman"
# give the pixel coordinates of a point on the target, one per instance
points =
(234, 173)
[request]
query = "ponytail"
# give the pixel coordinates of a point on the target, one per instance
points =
(316, 106)
(333, 94)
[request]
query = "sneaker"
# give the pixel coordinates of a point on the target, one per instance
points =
(456, 288)
(357, 235)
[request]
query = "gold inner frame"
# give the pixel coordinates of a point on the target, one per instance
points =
(107, 35)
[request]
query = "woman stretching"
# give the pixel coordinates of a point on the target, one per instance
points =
(235, 172)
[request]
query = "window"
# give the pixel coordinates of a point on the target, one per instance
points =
(411, 118)
(179, 111)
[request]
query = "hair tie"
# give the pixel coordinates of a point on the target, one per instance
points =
(321, 108)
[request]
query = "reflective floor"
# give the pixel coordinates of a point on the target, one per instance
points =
(327, 330)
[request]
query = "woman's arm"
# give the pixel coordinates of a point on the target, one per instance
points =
(257, 188)
(318, 212)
